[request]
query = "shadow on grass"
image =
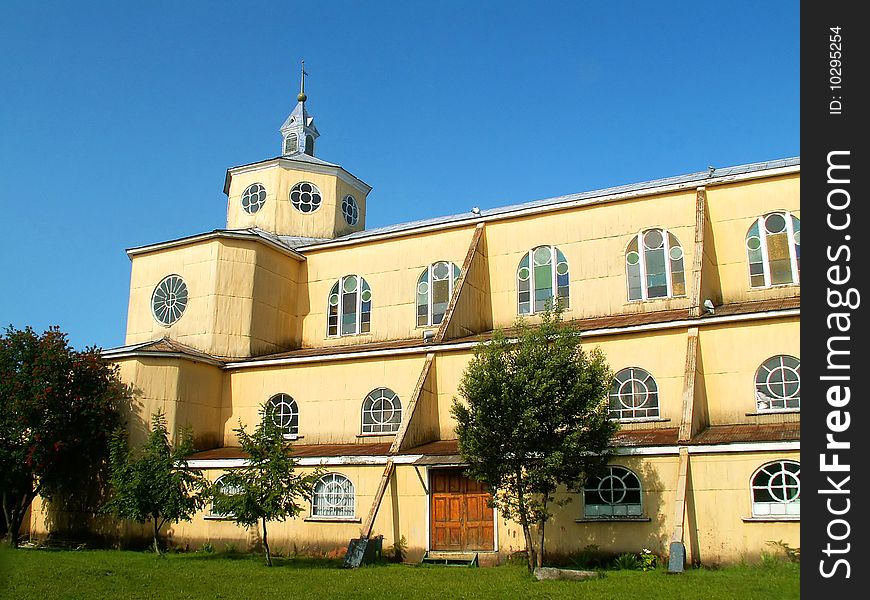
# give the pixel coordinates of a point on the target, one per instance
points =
(299, 562)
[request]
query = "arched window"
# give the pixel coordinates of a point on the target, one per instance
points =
(542, 276)
(291, 144)
(776, 490)
(225, 489)
(615, 494)
(654, 266)
(634, 395)
(333, 497)
(773, 245)
(285, 413)
(309, 145)
(778, 384)
(381, 412)
(350, 307)
(434, 290)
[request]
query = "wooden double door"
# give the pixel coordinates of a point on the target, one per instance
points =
(461, 518)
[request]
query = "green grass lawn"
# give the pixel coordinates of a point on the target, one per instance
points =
(103, 574)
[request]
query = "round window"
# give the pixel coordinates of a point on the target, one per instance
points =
(775, 223)
(305, 197)
(653, 239)
(350, 210)
(253, 198)
(169, 300)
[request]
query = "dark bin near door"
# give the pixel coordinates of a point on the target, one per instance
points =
(363, 551)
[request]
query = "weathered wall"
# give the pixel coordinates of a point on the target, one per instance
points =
(329, 395)
(391, 268)
(731, 355)
(241, 297)
(188, 393)
(732, 210)
(278, 214)
(719, 498)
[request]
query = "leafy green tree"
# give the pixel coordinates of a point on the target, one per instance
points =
(57, 406)
(154, 482)
(267, 489)
(534, 417)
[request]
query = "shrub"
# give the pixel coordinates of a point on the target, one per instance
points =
(627, 561)
(206, 548)
(591, 557)
(397, 551)
(231, 549)
(793, 555)
(648, 560)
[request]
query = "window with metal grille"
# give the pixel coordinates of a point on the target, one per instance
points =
(616, 494)
(333, 497)
(776, 490)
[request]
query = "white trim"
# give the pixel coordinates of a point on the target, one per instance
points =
(428, 491)
(217, 463)
(765, 258)
(669, 275)
(203, 237)
(319, 519)
(745, 447)
(709, 448)
(308, 461)
(641, 261)
(409, 459)
(562, 206)
(494, 529)
(645, 450)
(792, 254)
(770, 314)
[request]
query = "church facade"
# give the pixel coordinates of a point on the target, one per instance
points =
(358, 339)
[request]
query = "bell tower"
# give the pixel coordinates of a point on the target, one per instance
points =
(298, 131)
(296, 194)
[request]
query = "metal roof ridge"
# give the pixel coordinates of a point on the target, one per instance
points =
(556, 200)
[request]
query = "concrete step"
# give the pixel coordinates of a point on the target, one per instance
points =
(458, 559)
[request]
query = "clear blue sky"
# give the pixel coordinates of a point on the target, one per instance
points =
(118, 120)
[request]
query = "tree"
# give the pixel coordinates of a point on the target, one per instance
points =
(154, 482)
(267, 489)
(57, 406)
(535, 417)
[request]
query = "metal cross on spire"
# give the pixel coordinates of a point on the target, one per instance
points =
(302, 97)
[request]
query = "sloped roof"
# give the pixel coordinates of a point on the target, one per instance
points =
(163, 347)
(738, 433)
(287, 246)
(443, 451)
(688, 178)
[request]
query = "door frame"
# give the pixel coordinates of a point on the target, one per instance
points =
(428, 491)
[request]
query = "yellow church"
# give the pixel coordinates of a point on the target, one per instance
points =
(357, 337)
